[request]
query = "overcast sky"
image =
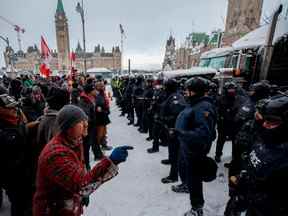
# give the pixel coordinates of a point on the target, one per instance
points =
(147, 23)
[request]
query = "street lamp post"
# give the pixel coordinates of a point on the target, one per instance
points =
(80, 10)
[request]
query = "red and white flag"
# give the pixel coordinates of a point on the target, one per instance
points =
(46, 58)
(45, 51)
(122, 31)
(72, 56)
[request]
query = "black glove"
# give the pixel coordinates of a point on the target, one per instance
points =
(173, 132)
(85, 201)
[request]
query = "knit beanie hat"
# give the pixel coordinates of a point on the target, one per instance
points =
(69, 116)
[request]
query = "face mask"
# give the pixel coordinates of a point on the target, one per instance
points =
(231, 93)
(191, 99)
(275, 135)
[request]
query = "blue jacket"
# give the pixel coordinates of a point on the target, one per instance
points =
(195, 126)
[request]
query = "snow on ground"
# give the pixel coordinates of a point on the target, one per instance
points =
(138, 191)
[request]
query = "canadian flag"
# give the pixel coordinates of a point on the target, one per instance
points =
(46, 58)
(72, 56)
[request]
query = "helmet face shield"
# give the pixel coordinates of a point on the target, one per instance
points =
(271, 122)
(274, 112)
(272, 118)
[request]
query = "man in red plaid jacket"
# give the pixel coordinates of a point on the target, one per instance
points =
(62, 179)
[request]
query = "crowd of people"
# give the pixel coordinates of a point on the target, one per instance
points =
(48, 127)
(188, 115)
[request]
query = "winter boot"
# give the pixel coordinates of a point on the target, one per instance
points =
(227, 165)
(152, 150)
(194, 212)
(166, 162)
(141, 130)
(181, 188)
(164, 144)
(168, 180)
(104, 145)
(149, 138)
(218, 159)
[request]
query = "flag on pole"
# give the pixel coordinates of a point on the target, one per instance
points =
(122, 30)
(45, 51)
(72, 56)
(46, 57)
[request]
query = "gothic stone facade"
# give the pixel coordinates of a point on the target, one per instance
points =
(243, 16)
(99, 58)
(29, 60)
(169, 62)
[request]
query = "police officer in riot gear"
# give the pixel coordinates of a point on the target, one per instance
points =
(231, 110)
(138, 91)
(128, 100)
(195, 130)
(266, 172)
(171, 107)
(259, 91)
(147, 111)
(159, 96)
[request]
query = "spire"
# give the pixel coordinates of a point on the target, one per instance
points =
(78, 48)
(60, 8)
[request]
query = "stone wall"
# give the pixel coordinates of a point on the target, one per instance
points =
(243, 16)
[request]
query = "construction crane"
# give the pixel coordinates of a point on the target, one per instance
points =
(17, 28)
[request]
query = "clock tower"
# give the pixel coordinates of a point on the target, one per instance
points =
(62, 36)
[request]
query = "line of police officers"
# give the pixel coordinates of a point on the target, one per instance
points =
(186, 115)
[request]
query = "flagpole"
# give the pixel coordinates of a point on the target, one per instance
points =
(122, 51)
(80, 9)
(84, 40)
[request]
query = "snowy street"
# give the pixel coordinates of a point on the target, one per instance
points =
(138, 191)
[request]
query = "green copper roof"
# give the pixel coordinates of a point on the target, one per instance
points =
(60, 8)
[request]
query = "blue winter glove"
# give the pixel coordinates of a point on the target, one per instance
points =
(120, 154)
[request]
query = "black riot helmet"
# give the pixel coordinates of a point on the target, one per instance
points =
(230, 89)
(198, 85)
(276, 109)
(260, 90)
(139, 79)
(275, 120)
(230, 85)
(171, 85)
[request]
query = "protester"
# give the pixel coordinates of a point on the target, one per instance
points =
(15, 156)
(102, 115)
(62, 180)
(57, 98)
(87, 104)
